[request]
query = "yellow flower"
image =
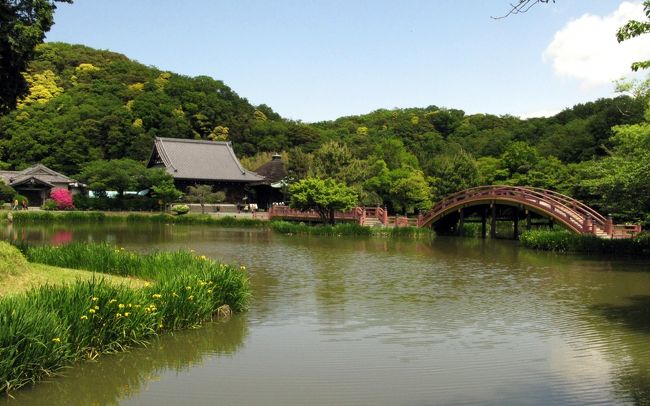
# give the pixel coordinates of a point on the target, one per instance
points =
(188, 288)
(84, 317)
(174, 294)
(243, 268)
(121, 306)
(147, 284)
(56, 339)
(137, 306)
(191, 297)
(126, 314)
(209, 290)
(156, 296)
(203, 257)
(91, 311)
(96, 307)
(118, 315)
(160, 325)
(130, 305)
(112, 301)
(94, 299)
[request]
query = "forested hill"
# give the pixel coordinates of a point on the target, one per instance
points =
(86, 104)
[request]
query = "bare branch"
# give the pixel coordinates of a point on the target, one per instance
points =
(522, 6)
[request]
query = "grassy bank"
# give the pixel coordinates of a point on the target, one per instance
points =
(23, 217)
(564, 241)
(347, 229)
(52, 326)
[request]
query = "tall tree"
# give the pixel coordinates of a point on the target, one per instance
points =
(23, 24)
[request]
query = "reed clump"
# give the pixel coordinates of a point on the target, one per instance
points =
(48, 328)
(564, 241)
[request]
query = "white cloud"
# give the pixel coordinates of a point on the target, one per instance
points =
(586, 49)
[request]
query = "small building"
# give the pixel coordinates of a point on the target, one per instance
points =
(199, 162)
(36, 183)
(272, 188)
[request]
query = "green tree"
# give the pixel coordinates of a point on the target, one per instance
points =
(326, 196)
(634, 29)
(24, 24)
(120, 175)
(203, 194)
(409, 190)
(166, 192)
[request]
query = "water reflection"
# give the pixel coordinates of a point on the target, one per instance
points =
(386, 321)
(117, 377)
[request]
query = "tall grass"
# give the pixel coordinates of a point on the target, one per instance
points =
(564, 241)
(63, 217)
(98, 217)
(49, 327)
(286, 227)
(351, 229)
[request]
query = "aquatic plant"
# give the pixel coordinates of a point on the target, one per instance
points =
(565, 241)
(50, 327)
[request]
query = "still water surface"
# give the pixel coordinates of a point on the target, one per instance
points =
(380, 322)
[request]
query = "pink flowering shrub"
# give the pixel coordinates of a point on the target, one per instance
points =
(62, 198)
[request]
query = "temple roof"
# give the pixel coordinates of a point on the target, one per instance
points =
(274, 170)
(200, 160)
(38, 172)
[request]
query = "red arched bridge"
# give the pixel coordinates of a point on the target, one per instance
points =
(498, 203)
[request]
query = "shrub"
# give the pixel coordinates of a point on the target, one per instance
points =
(49, 204)
(564, 241)
(180, 209)
(7, 193)
(62, 198)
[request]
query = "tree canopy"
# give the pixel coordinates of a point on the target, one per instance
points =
(326, 196)
(24, 24)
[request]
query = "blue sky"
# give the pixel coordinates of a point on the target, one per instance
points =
(318, 60)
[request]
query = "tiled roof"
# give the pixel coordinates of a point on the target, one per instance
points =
(39, 172)
(201, 160)
(274, 170)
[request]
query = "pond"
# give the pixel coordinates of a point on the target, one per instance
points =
(379, 321)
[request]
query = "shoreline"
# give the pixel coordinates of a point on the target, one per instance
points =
(51, 326)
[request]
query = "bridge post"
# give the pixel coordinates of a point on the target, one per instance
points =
(588, 225)
(529, 223)
(483, 223)
(461, 221)
(609, 225)
(516, 223)
(493, 221)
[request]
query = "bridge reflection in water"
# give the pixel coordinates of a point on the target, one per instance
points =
(496, 203)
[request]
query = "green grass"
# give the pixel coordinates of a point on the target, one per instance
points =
(22, 217)
(18, 276)
(564, 241)
(51, 326)
(347, 229)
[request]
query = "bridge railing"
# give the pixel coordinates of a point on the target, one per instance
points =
(356, 214)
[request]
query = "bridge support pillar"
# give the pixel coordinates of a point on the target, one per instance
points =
(515, 221)
(493, 221)
(529, 224)
(461, 222)
(483, 223)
